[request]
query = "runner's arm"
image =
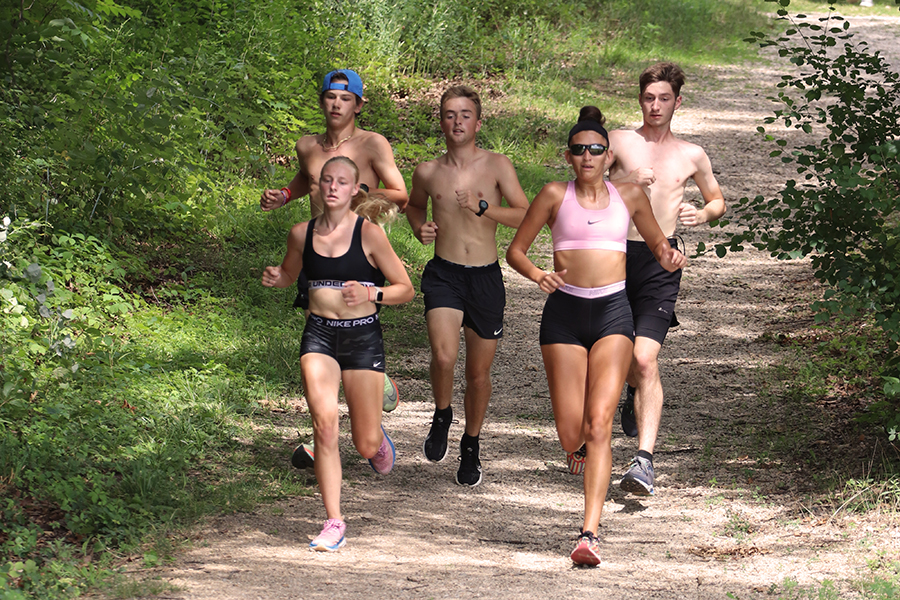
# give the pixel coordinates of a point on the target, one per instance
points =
(638, 204)
(299, 186)
(386, 169)
(417, 209)
(400, 289)
(286, 274)
(537, 215)
(511, 190)
(713, 199)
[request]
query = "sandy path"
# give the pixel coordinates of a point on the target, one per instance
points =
(722, 521)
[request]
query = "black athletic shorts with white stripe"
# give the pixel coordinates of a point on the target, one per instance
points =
(476, 291)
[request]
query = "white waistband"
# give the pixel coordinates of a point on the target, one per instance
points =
(598, 292)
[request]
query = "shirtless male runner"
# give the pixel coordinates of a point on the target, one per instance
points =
(660, 162)
(341, 100)
(462, 284)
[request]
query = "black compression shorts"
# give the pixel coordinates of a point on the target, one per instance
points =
(356, 344)
(578, 321)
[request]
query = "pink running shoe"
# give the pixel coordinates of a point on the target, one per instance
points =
(331, 538)
(587, 550)
(575, 460)
(383, 461)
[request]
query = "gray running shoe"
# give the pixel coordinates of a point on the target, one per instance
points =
(435, 446)
(638, 479)
(629, 421)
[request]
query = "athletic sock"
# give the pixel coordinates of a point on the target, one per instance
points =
(444, 413)
(646, 455)
(468, 441)
(631, 390)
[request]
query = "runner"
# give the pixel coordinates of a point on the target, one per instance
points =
(341, 100)
(462, 284)
(587, 331)
(654, 158)
(347, 259)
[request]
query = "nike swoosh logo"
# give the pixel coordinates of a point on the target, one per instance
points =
(378, 364)
(594, 222)
(498, 331)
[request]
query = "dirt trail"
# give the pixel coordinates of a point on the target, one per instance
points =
(723, 520)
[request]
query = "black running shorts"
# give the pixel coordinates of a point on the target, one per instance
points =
(652, 291)
(356, 344)
(476, 291)
(578, 321)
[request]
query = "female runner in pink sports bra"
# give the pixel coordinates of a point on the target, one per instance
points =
(587, 333)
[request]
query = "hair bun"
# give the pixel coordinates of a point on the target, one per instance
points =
(591, 113)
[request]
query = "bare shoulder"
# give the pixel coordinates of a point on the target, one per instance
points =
(552, 191)
(494, 160)
(623, 136)
(373, 233)
(370, 138)
(297, 235)
(685, 148)
(615, 134)
(425, 170)
(306, 144)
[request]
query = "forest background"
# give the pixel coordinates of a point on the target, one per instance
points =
(142, 366)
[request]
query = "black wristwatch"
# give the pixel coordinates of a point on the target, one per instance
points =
(482, 206)
(379, 296)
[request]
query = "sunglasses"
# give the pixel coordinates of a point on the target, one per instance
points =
(594, 149)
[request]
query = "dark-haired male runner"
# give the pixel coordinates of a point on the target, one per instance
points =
(463, 286)
(660, 162)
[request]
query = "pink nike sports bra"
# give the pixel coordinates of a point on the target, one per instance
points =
(577, 228)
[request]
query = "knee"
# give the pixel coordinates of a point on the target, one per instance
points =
(478, 379)
(644, 365)
(442, 360)
(367, 443)
(325, 429)
(598, 429)
(570, 441)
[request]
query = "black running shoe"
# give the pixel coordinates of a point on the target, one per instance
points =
(435, 446)
(304, 457)
(469, 472)
(629, 421)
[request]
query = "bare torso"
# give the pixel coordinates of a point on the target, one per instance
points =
(463, 237)
(362, 149)
(673, 163)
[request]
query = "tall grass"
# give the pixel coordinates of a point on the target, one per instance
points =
(185, 397)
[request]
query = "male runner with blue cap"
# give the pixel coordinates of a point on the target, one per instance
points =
(341, 100)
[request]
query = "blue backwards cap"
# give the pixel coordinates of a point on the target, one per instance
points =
(353, 83)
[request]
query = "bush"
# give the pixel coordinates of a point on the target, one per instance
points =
(843, 210)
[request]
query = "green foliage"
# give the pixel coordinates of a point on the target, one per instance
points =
(139, 355)
(888, 409)
(875, 588)
(843, 210)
